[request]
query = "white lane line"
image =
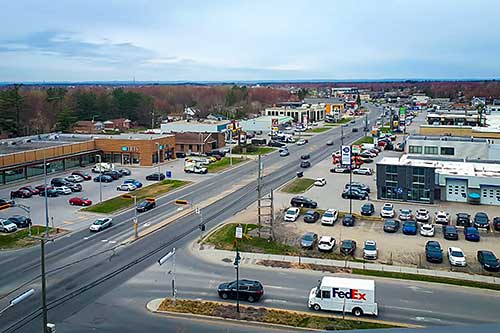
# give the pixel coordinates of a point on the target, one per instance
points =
(104, 240)
(86, 238)
(147, 224)
(112, 242)
(271, 300)
(179, 209)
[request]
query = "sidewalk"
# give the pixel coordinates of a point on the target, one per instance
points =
(208, 253)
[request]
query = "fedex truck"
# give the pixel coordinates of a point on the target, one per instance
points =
(355, 296)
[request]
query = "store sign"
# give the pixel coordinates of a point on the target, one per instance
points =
(125, 148)
(346, 155)
(274, 122)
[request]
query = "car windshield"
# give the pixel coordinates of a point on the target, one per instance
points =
(489, 256)
(347, 245)
(410, 224)
(328, 214)
(7, 222)
(308, 237)
(390, 223)
(481, 218)
(99, 222)
(387, 208)
(291, 211)
(427, 227)
(457, 254)
(405, 212)
(324, 242)
(370, 247)
(472, 231)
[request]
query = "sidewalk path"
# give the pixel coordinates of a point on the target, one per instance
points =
(208, 253)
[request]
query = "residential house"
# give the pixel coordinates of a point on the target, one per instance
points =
(120, 124)
(88, 127)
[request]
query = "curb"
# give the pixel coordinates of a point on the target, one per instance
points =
(153, 305)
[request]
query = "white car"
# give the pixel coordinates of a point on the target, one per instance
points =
(427, 229)
(7, 226)
(292, 214)
(387, 210)
(62, 190)
(326, 243)
(422, 215)
(329, 217)
(320, 182)
(74, 179)
(101, 224)
(126, 187)
(370, 250)
(301, 142)
(363, 171)
(442, 217)
(456, 257)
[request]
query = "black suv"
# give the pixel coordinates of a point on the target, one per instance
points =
(276, 144)
(354, 193)
(20, 221)
(349, 220)
(463, 220)
(305, 164)
(433, 252)
(113, 174)
(60, 182)
(359, 186)
(301, 201)
(305, 157)
(155, 176)
(367, 209)
(496, 223)
(250, 290)
(481, 220)
(450, 232)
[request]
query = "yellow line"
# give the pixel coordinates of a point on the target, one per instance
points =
(68, 222)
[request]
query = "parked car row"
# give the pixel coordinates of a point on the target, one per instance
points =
(14, 222)
(346, 247)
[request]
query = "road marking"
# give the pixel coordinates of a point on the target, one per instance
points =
(179, 209)
(104, 240)
(427, 319)
(420, 290)
(147, 224)
(86, 238)
(271, 300)
(112, 242)
(68, 222)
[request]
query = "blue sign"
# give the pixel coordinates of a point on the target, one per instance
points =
(124, 148)
(168, 174)
(398, 190)
(160, 147)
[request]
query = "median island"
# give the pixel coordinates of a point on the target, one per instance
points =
(269, 315)
(223, 164)
(117, 203)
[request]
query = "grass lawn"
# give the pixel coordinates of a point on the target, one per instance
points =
(21, 238)
(298, 185)
(154, 190)
(332, 124)
(344, 120)
(317, 130)
(223, 163)
(253, 150)
(365, 139)
(426, 278)
(268, 315)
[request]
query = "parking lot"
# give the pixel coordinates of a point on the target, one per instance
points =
(70, 217)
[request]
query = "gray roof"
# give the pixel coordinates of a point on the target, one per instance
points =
(323, 100)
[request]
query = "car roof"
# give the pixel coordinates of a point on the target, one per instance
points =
(325, 238)
(332, 210)
(454, 248)
(370, 242)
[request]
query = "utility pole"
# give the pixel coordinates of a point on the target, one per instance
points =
(259, 195)
(136, 224)
(238, 235)
(164, 259)
(159, 172)
(272, 216)
(100, 178)
(350, 186)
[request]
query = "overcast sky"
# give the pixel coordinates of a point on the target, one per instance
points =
(168, 40)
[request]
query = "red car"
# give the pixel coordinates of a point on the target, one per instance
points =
(80, 201)
(31, 189)
(83, 174)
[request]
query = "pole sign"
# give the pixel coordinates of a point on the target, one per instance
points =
(274, 122)
(239, 232)
(346, 155)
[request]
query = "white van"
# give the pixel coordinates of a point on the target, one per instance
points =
(356, 296)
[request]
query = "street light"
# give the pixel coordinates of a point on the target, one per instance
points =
(18, 299)
(100, 177)
(238, 235)
(163, 260)
(159, 173)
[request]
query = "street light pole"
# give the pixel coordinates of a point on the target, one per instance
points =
(164, 259)
(100, 177)
(136, 225)
(18, 299)
(238, 235)
(159, 172)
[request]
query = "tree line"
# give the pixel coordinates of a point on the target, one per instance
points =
(27, 110)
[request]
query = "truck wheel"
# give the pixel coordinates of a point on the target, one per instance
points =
(357, 312)
(316, 307)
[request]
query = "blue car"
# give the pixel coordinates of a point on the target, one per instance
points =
(472, 234)
(136, 183)
(410, 227)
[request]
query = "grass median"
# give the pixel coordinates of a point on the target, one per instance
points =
(21, 238)
(268, 315)
(318, 130)
(298, 185)
(252, 150)
(114, 204)
(224, 163)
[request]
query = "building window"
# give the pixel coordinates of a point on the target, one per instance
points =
(447, 151)
(391, 169)
(431, 150)
(415, 149)
(14, 175)
(418, 171)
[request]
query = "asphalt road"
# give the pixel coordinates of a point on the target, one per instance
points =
(84, 266)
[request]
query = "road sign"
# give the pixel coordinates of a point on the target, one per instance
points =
(239, 232)
(346, 155)
(168, 174)
(398, 190)
(274, 122)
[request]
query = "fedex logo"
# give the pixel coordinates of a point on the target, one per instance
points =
(351, 294)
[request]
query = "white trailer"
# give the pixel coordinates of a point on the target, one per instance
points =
(356, 296)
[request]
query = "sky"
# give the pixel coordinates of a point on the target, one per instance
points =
(219, 40)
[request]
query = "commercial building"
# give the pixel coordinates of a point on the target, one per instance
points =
(427, 179)
(300, 112)
(455, 118)
(198, 142)
(467, 148)
(464, 131)
(196, 126)
(264, 123)
(22, 158)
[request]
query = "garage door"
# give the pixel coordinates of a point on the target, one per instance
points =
(456, 190)
(490, 195)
